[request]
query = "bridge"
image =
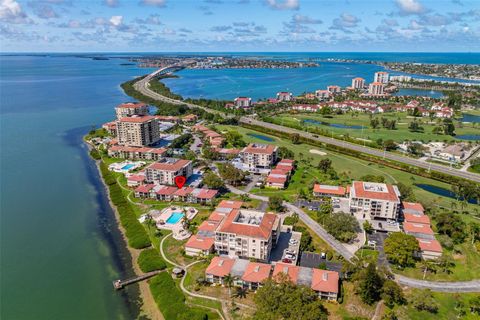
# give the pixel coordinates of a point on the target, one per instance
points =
(120, 284)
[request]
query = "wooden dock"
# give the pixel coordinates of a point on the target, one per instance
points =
(120, 284)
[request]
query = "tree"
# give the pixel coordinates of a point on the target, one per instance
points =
(306, 243)
(231, 174)
(240, 292)
(234, 139)
(423, 300)
(370, 284)
(390, 315)
(414, 126)
(284, 153)
(400, 248)
(390, 145)
(210, 154)
(275, 202)
(326, 207)
(228, 281)
(374, 123)
(451, 225)
(445, 263)
(324, 165)
(474, 304)
(367, 226)
(392, 293)
(281, 299)
(406, 192)
(342, 226)
(416, 149)
(213, 181)
(448, 127)
(372, 178)
(428, 265)
(295, 138)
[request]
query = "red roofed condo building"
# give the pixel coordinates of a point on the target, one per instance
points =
(284, 96)
(259, 155)
(429, 249)
(165, 170)
(370, 200)
(199, 246)
(322, 190)
(375, 88)
(138, 131)
(334, 89)
(325, 283)
(381, 77)
(358, 83)
(255, 274)
(412, 208)
(218, 268)
(247, 234)
(242, 102)
(111, 127)
(134, 153)
(130, 109)
(418, 230)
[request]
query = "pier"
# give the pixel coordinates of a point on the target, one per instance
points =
(119, 284)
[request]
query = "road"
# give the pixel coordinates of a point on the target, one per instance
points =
(144, 88)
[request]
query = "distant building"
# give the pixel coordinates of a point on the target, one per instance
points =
(334, 89)
(322, 94)
(243, 102)
(375, 88)
(370, 200)
(358, 83)
(321, 190)
(130, 109)
(165, 171)
(284, 96)
(136, 153)
(111, 127)
(381, 77)
(259, 155)
(138, 131)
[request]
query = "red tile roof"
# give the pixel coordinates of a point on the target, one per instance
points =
(208, 225)
(416, 218)
(137, 119)
(360, 192)
(166, 191)
(259, 148)
(166, 166)
(291, 271)
(131, 105)
(417, 228)
(263, 230)
(145, 188)
(200, 243)
(413, 206)
(220, 266)
(207, 194)
(256, 272)
(279, 180)
(230, 204)
(183, 192)
(321, 188)
(429, 245)
(136, 177)
(325, 281)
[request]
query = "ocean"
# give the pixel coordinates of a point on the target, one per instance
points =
(60, 244)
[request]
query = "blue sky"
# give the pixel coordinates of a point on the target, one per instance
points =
(239, 25)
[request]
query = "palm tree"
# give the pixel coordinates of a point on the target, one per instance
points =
(228, 281)
(427, 265)
(240, 292)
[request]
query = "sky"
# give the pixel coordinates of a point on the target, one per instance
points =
(239, 25)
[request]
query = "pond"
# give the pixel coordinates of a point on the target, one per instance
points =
(468, 137)
(470, 118)
(441, 191)
(335, 125)
(261, 137)
(418, 92)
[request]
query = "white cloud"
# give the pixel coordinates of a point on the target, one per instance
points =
(298, 18)
(284, 5)
(111, 3)
(116, 20)
(410, 7)
(11, 11)
(154, 3)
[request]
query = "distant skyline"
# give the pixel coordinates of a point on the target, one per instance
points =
(239, 25)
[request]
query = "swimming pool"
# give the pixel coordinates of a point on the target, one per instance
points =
(128, 166)
(174, 217)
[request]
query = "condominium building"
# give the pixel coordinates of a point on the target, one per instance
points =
(284, 96)
(165, 170)
(137, 131)
(259, 155)
(375, 88)
(130, 109)
(242, 102)
(334, 89)
(358, 83)
(247, 234)
(369, 201)
(322, 94)
(381, 77)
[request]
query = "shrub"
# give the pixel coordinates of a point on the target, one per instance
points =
(149, 260)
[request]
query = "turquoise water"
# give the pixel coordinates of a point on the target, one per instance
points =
(60, 244)
(335, 125)
(175, 217)
(441, 191)
(418, 92)
(261, 137)
(128, 166)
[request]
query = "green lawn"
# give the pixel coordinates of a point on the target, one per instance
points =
(467, 262)
(446, 310)
(348, 168)
(400, 134)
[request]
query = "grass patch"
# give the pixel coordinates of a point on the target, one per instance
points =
(149, 260)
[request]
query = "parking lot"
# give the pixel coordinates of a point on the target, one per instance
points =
(376, 240)
(287, 248)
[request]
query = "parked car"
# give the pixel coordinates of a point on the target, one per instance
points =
(290, 256)
(292, 242)
(323, 255)
(287, 260)
(290, 251)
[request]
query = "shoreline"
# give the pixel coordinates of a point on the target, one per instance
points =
(149, 307)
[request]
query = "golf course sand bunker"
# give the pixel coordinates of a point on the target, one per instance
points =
(318, 152)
